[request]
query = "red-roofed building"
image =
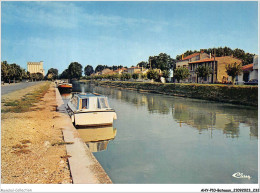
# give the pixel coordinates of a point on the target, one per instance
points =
(250, 72)
(184, 62)
(247, 68)
(218, 66)
(120, 70)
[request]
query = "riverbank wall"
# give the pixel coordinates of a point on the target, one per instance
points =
(235, 94)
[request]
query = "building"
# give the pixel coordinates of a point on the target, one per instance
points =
(184, 62)
(120, 70)
(250, 72)
(133, 70)
(218, 66)
(35, 67)
(107, 71)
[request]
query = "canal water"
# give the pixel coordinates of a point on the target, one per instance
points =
(161, 139)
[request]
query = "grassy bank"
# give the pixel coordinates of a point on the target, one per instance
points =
(27, 101)
(244, 95)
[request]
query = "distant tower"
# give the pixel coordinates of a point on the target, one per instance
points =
(35, 67)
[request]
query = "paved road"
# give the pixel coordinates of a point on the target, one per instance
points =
(5, 89)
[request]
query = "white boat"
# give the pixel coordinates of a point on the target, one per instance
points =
(90, 109)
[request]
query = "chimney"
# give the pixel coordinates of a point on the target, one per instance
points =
(182, 57)
(210, 55)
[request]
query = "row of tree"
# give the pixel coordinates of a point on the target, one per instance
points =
(246, 58)
(152, 74)
(14, 72)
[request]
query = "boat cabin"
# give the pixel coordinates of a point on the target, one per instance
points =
(89, 101)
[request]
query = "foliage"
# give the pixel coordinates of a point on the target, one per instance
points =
(142, 64)
(100, 67)
(75, 70)
(88, 70)
(181, 73)
(12, 72)
(162, 61)
(144, 76)
(203, 71)
(135, 76)
(165, 73)
(4, 71)
(125, 76)
(52, 74)
(233, 70)
(153, 75)
(36, 76)
(64, 74)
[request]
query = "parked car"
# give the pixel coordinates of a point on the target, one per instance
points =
(252, 82)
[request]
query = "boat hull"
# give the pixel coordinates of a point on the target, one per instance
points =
(94, 118)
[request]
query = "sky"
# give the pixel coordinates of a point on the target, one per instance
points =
(121, 33)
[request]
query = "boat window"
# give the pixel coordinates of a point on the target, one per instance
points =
(102, 103)
(84, 103)
(74, 101)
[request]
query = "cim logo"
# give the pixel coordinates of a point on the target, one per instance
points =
(241, 175)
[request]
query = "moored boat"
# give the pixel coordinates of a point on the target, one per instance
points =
(64, 87)
(90, 109)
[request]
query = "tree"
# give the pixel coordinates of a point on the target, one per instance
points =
(75, 70)
(4, 71)
(15, 72)
(144, 76)
(135, 76)
(181, 73)
(39, 76)
(88, 70)
(203, 71)
(52, 74)
(165, 73)
(125, 76)
(162, 62)
(100, 67)
(142, 64)
(153, 75)
(233, 70)
(64, 74)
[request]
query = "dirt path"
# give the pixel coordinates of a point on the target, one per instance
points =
(29, 154)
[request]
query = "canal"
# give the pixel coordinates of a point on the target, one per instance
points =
(161, 139)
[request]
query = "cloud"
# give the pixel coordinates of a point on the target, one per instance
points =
(64, 15)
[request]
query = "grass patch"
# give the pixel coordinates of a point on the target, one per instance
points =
(62, 143)
(27, 101)
(19, 146)
(66, 156)
(25, 141)
(22, 151)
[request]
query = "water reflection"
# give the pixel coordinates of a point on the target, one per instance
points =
(200, 114)
(97, 139)
(172, 139)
